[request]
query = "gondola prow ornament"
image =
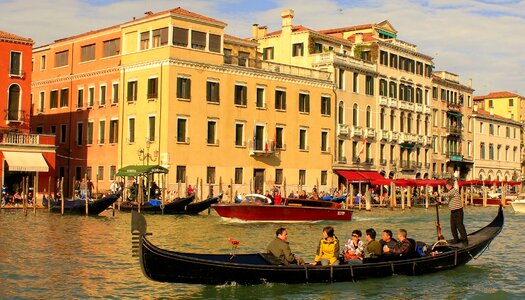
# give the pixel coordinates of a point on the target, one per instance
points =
(234, 243)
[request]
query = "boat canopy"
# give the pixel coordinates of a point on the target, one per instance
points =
(139, 170)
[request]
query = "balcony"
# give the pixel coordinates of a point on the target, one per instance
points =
(370, 133)
(393, 102)
(341, 160)
(427, 166)
(369, 161)
(410, 106)
(382, 162)
(262, 148)
(383, 134)
(419, 107)
(426, 110)
(402, 138)
(455, 156)
(383, 100)
(331, 58)
(420, 139)
(357, 131)
(342, 129)
(408, 165)
(22, 139)
(454, 130)
(394, 136)
(403, 105)
(454, 106)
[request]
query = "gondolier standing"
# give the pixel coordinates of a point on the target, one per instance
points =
(456, 212)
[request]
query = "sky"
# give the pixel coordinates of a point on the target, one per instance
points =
(476, 39)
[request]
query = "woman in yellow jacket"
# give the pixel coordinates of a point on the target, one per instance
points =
(328, 249)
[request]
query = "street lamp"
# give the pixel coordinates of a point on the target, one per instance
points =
(144, 155)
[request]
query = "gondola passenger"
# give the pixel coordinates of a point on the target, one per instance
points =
(353, 250)
(279, 248)
(328, 249)
(372, 247)
(403, 247)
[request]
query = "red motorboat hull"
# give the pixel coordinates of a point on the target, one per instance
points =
(283, 213)
(490, 202)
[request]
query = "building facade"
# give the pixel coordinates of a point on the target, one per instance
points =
(25, 157)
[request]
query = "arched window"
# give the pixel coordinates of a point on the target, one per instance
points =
(355, 112)
(419, 96)
(382, 119)
(402, 92)
(409, 123)
(382, 88)
(393, 90)
(341, 113)
(401, 122)
(418, 128)
(13, 112)
(427, 124)
(392, 120)
(368, 117)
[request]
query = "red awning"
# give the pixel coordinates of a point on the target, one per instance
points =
(361, 176)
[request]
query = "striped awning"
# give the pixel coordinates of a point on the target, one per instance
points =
(26, 161)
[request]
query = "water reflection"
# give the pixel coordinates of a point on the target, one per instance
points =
(53, 256)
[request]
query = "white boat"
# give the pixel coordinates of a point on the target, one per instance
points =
(518, 205)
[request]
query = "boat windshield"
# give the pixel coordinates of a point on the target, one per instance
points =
(256, 198)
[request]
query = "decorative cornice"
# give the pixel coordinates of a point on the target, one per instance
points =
(401, 49)
(67, 78)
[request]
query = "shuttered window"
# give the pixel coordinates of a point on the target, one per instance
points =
(111, 47)
(87, 53)
(198, 40)
(215, 43)
(61, 58)
(180, 37)
(160, 37)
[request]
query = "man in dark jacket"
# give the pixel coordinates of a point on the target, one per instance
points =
(456, 212)
(280, 249)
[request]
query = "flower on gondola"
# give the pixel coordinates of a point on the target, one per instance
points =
(234, 241)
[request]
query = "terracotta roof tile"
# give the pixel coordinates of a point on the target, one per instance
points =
(297, 28)
(367, 37)
(13, 37)
(345, 29)
(183, 12)
(487, 114)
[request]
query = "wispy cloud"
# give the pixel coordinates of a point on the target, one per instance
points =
(478, 39)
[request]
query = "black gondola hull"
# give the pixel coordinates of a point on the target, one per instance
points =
(168, 266)
(79, 206)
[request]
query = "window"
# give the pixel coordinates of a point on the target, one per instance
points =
(14, 103)
(491, 129)
(325, 105)
(211, 137)
(511, 102)
(382, 118)
(181, 174)
(369, 85)
(102, 95)
(15, 63)
(279, 137)
(212, 91)
(302, 177)
(259, 138)
(53, 99)
(112, 172)
(491, 151)
(41, 102)
(268, 53)
(355, 112)
(132, 91)
(53, 129)
(302, 139)
(91, 96)
(297, 49)
(61, 58)
(180, 37)
(100, 173)
(278, 176)
(89, 133)
(80, 132)
(480, 127)
(392, 90)
(131, 130)
(318, 48)
(183, 88)
(355, 86)
(151, 128)
(113, 131)
(383, 90)
(111, 47)
(215, 43)
(491, 103)
(304, 103)
(392, 120)
(87, 52)
(368, 117)
(88, 173)
(383, 58)
(482, 150)
(144, 40)
(324, 177)
(393, 60)
(280, 100)
(239, 134)
(324, 141)
(243, 58)
(160, 37)
(341, 77)
(101, 131)
(261, 101)
(227, 56)
(434, 144)
(43, 62)
(198, 40)
(114, 98)
(240, 95)
(210, 175)
(63, 133)
(181, 130)
(80, 98)
(153, 89)
(238, 176)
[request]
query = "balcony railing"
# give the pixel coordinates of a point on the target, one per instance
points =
(369, 161)
(383, 134)
(426, 110)
(427, 165)
(393, 102)
(403, 105)
(419, 107)
(342, 59)
(410, 106)
(342, 129)
(456, 130)
(357, 131)
(20, 139)
(263, 148)
(370, 132)
(341, 160)
(383, 100)
(393, 162)
(394, 136)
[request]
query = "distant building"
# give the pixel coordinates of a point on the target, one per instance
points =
(24, 155)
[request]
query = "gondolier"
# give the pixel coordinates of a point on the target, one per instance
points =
(456, 212)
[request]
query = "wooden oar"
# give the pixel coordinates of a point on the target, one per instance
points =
(438, 226)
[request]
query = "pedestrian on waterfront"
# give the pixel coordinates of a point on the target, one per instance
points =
(280, 249)
(83, 189)
(89, 188)
(328, 248)
(353, 250)
(227, 194)
(190, 190)
(456, 212)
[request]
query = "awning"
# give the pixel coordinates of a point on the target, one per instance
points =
(137, 170)
(26, 161)
(360, 176)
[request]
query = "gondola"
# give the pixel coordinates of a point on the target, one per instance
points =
(169, 266)
(177, 206)
(78, 206)
(197, 207)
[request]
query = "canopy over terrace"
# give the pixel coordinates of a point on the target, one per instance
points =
(362, 176)
(140, 170)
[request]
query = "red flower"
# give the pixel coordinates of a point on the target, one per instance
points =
(234, 241)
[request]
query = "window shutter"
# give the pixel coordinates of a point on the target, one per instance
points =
(164, 36)
(180, 36)
(215, 43)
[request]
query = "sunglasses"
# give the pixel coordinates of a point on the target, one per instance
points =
(355, 235)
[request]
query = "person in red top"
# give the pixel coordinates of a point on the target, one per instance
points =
(277, 197)
(190, 190)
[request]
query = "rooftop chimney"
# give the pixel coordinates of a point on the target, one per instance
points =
(492, 111)
(470, 83)
(148, 13)
(358, 38)
(255, 31)
(287, 17)
(475, 107)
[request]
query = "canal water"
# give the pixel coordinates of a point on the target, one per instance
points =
(49, 256)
